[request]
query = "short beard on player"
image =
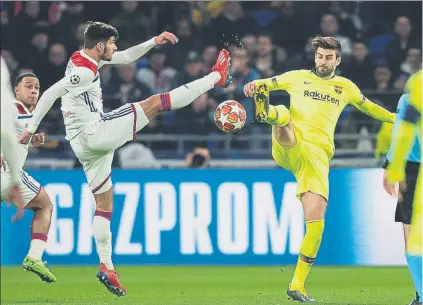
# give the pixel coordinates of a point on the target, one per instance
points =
(30, 103)
(327, 73)
(104, 57)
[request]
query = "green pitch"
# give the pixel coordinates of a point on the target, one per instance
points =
(208, 285)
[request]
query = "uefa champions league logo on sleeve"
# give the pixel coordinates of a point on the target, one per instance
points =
(74, 79)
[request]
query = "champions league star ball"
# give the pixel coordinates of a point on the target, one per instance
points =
(230, 116)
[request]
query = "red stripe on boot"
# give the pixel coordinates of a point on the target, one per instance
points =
(40, 236)
(107, 215)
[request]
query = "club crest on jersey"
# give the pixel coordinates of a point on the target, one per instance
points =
(26, 125)
(338, 89)
(74, 79)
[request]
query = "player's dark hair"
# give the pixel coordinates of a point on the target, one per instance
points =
(98, 32)
(22, 76)
(327, 43)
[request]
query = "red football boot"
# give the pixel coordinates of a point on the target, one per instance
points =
(222, 66)
(110, 279)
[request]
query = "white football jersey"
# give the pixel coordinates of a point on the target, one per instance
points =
(80, 90)
(8, 122)
(83, 104)
(23, 116)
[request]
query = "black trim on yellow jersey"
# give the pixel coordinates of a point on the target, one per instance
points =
(314, 72)
(412, 115)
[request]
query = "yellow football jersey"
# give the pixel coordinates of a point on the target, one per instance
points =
(316, 104)
(406, 130)
(414, 87)
(402, 145)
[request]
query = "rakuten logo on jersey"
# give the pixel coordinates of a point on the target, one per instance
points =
(315, 95)
(233, 220)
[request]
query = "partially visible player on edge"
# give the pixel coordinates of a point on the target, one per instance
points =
(405, 203)
(34, 197)
(396, 172)
(94, 135)
(302, 138)
(9, 143)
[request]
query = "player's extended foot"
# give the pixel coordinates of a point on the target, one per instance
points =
(39, 268)
(416, 301)
(299, 295)
(261, 103)
(110, 279)
(222, 66)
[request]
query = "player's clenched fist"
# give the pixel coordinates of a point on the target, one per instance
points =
(250, 89)
(38, 139)
(166, 37)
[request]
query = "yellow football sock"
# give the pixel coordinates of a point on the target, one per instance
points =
(278, 115)
(414, 243)
(308, 252)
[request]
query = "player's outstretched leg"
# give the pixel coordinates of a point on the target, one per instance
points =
(40, 227)
(184, 95)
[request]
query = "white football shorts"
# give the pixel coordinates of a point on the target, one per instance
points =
(96, 144)
(30, 188)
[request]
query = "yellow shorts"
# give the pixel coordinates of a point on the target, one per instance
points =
(307, 162)
(414, 243)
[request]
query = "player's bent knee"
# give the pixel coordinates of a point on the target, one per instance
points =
(104, 200)
(142, 117)
(314, 206)
(152, 106)
(41, 201)
(285, 135)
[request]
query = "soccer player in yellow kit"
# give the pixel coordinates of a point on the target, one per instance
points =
(396, 170)
(302, 137)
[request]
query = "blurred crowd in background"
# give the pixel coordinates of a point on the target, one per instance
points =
(381, 44)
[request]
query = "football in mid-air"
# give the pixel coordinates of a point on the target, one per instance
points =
(230, 116)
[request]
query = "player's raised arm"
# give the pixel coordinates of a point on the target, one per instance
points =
(74, 83)
(135, 52)
(278, 82)
(370, 108)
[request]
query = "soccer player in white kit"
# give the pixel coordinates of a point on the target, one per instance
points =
(94, 135)
(9, 143)
(34, 197)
